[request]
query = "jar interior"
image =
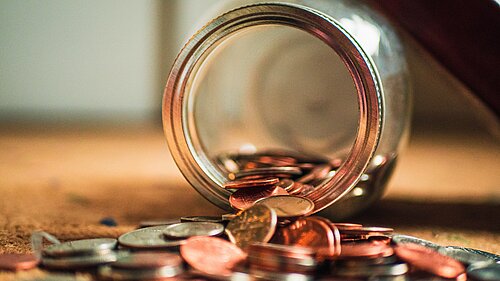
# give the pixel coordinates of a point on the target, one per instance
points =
(272, 88)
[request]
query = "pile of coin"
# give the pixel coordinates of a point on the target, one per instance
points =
(259, 175)
(271, 236)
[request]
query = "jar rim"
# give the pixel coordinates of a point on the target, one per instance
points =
(197, 168)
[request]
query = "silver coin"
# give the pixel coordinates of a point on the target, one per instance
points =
(395, 269)
(79, 261)
(484, 271)
(190, 229)
(110, 273)
(80, 247)
(489, 255)
(148, 238)
(202, 219)
(463, 255)
(150, 223)
(402, 239)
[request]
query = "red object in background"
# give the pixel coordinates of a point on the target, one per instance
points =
(463, 35)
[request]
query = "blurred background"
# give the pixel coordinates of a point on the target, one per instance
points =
(108, 61)
(81, 84)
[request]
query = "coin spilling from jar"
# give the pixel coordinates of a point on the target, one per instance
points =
(271, 236)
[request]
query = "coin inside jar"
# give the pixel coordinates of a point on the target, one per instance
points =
(243, 199)
(249, 183)
(288, 206)
(189, 229)
(269, 171)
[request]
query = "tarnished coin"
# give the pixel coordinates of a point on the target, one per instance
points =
(243, 199)
(250, 183)
(464, 255)
(270, 171)
(429, 260)
(314, 232)
(145, 260)
(189, 229)
(202, 219)
(16, 262)
(76, 262)
(399, 239)
(80, 247)
(288, 206)
(274, 257)
(255, 224)
(212, 255)
(148, 238)
(484, 271)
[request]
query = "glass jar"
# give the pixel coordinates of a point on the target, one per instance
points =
(326, 79)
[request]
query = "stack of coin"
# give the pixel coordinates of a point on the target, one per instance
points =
(143, 266)
(80, 253)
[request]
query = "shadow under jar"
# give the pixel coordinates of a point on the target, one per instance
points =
(324, 82)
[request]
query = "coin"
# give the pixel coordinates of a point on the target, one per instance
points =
(318, 172)
(273, 257)
(484, 271)
(118, 274)
(265, 171)
(202, 219)
(399, 239)
(150, 223)
(347, 226)
(395, 269)
(429, 260)
(312, 232)
(211, 255)
(463, 255)
(243, 199)
(141, 260)
(189, 229)
(80, 247)
(255, 224)
(148, 238)
(75, 262)
(288, 206)
(248, 183)
(295, 188)
(16, 262)
(372, 249)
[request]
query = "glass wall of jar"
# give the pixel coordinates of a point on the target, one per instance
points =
(324, 82)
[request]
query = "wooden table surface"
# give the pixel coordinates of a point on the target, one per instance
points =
(64, 179)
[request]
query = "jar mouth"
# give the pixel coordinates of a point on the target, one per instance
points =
(184, 142)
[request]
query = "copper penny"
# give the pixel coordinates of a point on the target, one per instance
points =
(212, 255)
(141, 260)
(245, 198)
(17, 261)
(371, 249)
(269, 171)
(429, 260)
(247, 183)
(347, 226)
(312, 232)
(295, 188)
(256, 224)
